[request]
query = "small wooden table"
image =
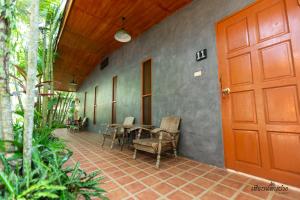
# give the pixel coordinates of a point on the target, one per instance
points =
(131, 132)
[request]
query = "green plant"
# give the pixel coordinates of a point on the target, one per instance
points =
(49, 177)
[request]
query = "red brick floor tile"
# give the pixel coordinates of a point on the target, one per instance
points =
(261, 194)
(163, 188)
(212, 176)
(279, 197)
(140, 175)
(243, 196)
(231, 183)
(175, 170)
(117, 174)
(212, 196)
(192, 163)
(253, 182)
(142, 165)
(124, 180)
(103, 165)
(163, 175)
(205, 183)
(87, 165)
(176, 181)
(125, 176)
(91, 169)
(193, 189)
(179, 195)
(237, 177)
(188, 176)
(124, 165)
(131, 170)
(135, 187)
(291, 194)
(223, 190)
(197, 172)
(205, 167)
(184, 166)
(117, 194)
(105, 178)
(111, 169)
(108, 186)
(152, 170)
(147, 195)
(118, 162)
(220, 172)
(150, 180)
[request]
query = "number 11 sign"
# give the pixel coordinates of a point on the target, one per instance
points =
(201, 55)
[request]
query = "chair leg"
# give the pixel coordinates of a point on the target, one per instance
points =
(122, 144)
(134, 154)
(158, 161)
(174, 148)
(103, 141)
(113, 141)
(159, 151)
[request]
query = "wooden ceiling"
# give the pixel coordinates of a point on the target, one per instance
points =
(87, 32)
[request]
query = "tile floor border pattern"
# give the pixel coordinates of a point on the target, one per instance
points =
(87, 146)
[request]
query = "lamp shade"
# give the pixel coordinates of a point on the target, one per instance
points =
(73, 83)
(122, 36)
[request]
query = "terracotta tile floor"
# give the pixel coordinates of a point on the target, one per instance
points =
(178, 179)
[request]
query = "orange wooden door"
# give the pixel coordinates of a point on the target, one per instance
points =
(259, 61)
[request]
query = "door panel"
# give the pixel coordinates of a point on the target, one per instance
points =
(240, 69)
(247, 146)
(243, 107)
(237, 35)
(281, 104)
(283, 144)
(276, 61)
(259, 61)
(114, 100)
(272, 20)
(147, 92)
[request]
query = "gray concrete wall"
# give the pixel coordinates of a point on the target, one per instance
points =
(172, 45)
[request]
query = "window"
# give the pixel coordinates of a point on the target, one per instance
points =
(84, 104)
(146, 93)
(114, 100)
(95, 105)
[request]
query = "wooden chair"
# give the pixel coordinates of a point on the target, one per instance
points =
(117, 131)
(83, 124)
(161, 139)
(78, 126)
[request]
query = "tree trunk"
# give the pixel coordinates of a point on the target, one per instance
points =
(30, 85)
(45, 78)
(18, 93)
(56, 106)
(5, 106)
(50, 114)
(1, 134)
(63, 107)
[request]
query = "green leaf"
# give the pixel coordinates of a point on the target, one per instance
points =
(45, 194)
(7, 183)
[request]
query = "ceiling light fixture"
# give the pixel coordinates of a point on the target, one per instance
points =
(122, 35)
(73, 83)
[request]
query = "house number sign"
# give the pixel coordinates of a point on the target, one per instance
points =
(201, 55)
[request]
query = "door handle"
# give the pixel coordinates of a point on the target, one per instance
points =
(226, 91)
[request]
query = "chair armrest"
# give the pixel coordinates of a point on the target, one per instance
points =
(173, 132)
(104, 128)
(163, 133)
(114, 125)
(139, 128)
(156, 130)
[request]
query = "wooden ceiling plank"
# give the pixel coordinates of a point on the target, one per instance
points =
(88, 29)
